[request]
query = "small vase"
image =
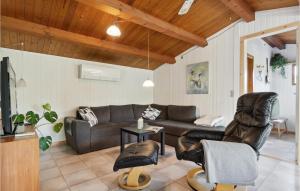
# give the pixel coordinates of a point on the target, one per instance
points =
(140, 123)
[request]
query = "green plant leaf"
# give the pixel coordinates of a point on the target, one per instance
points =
(32, 117)
(47, 107)
(45, 142)
(278, 61)
(18, 119)
(57, 127)
(51, 116)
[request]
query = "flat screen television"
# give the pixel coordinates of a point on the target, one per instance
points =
(8, 96)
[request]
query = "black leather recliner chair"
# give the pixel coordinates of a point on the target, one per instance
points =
(251, 125)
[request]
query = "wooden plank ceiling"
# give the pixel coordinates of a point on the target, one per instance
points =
(205, 18)
(280, 40)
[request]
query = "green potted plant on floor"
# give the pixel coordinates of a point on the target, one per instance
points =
(35, 119)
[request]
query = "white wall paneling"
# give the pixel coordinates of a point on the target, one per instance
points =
(261, 51)
(298, 96)
(223, 54)
(289, 52)
(219, 54)
(286, 95)
(55, 80)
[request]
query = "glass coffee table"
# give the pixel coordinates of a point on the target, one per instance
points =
(140, 134)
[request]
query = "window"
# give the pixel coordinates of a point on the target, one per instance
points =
(294, 74)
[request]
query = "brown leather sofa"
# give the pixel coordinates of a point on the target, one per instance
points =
(83, 138)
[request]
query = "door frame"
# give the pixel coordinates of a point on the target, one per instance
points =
(249, 56)
(243, 61)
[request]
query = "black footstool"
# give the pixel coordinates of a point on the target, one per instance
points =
(135, 156)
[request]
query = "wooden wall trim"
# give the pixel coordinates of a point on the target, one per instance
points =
(50, 32)
(271, 30)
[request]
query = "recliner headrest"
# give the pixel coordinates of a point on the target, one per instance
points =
(255, 109)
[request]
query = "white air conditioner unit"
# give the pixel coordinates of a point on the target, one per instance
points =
(94, 72)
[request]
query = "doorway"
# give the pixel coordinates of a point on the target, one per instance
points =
(283, 141)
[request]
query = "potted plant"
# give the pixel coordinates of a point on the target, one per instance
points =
(34, 119)
(279, 62)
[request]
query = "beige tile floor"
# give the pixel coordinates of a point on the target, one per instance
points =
(63, 170)
(282, 148)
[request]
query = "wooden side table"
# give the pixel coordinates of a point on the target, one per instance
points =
(281, 125)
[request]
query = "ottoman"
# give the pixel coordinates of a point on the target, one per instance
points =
(135, 156)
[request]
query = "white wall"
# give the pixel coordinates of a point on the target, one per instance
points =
(289, 52)
(163, 84)
(55, 80)
(287, 95)
(260, 50)
(284, 87)
(223, 54)
(219, 54)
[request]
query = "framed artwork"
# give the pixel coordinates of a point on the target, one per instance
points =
(197, 78)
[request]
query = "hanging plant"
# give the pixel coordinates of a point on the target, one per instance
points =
(279, 62)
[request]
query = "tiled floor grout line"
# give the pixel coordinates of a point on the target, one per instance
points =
(97, 177)
(68, 187)
(278, 158)
(268, 176)
(111, 153)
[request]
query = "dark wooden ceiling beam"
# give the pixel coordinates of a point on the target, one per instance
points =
(134, 15)
(50, 32)
(241, 8)
(274, 41)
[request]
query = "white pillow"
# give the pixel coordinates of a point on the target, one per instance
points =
(151, 113)
(209, 120)
(88, 115)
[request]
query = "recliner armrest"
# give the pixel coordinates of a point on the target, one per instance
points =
(213, 134)
(219, 165)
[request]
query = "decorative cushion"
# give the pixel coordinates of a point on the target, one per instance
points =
(151, 113)
(163, 111)
(88, 115)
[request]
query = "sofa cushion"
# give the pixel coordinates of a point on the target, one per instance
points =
(121, 113)
(138, 110)
(177, 128)
(102, 113)
(164, 111)
(182, 113)
(106, 135)
(108, 129)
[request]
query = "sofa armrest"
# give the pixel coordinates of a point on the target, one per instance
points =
(80, 132)
(214, 134)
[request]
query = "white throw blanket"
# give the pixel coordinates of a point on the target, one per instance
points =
(230, 163)
(209, 120)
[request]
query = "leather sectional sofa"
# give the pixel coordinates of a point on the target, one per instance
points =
(83, 138)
